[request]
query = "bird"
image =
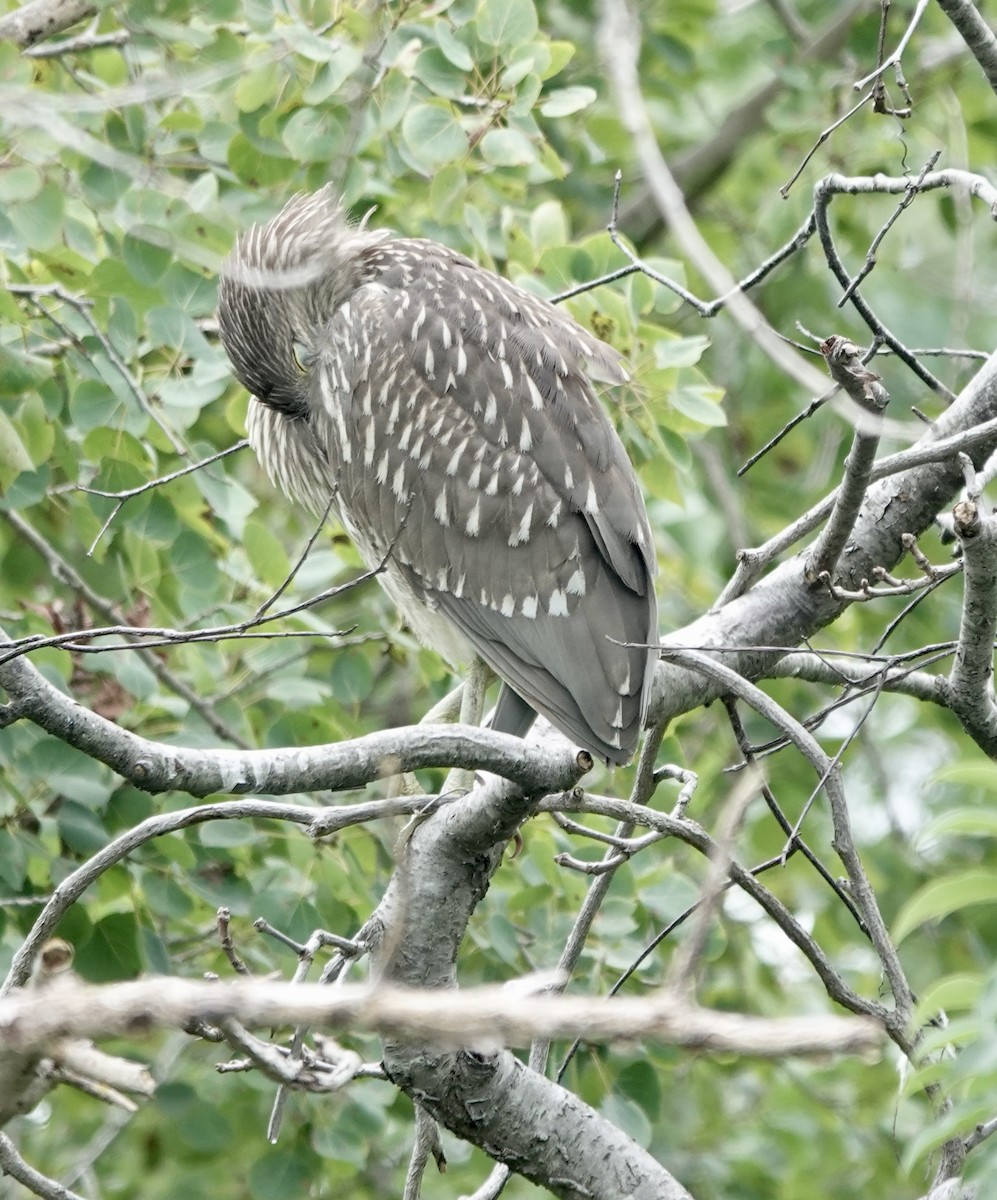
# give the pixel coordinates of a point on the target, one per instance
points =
(451, 419)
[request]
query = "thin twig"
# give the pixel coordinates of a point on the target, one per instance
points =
(897, 54)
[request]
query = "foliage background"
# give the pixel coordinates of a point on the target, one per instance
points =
(126, 172)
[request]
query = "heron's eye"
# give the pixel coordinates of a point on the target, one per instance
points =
(302, 355)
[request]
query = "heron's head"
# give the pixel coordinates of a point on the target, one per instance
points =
(280, 285)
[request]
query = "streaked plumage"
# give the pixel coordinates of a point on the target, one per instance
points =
(454, 416)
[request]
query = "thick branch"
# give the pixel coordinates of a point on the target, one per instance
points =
(864, 390)
(752, 563)
(486, 1016)
(486, 1095)
(158, 767)
(976, 33)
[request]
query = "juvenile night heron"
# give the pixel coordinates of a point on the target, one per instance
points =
(453, 418)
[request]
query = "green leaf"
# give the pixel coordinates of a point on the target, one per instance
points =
(257, 87)
(28, 488)
(36, 430)
(112, 952)
(13, 860)
(628, 1116)
(226, 834)
(147, 260)
(19, 184)
(506, 23)
(195, 572)
(312, 135)
(679, 351)
(438, 73)
(39, 221)
(20, 372)
(943, 896)
(969, 774)
(549, 225)
(266, 553)
(80, 828)
(280, 1173)
(953, 993)
(701, 403)
(352, 677)
(507, 148)
(253, 166)
(642, 1084)
(103, 186)
(517, 70)
(14, 457)
(961, 822)
(202, 1127)
(455, 50)
(562, 102)
(93, 405)
(561, 53)
(433, 135)
(331, 76)
(955, 1122)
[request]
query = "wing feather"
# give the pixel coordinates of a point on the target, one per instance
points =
(467, 438)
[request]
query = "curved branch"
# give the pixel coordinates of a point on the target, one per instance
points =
(693, 834)
(844, 845)
(159, 767)
(76, 883)
(12, 1164)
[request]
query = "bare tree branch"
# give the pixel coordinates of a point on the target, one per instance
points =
(40, 19)
(864, 389)
(157, 766)
(969, 691)
(487, 1016)
(976, 33)
(80, 44)
(12, 1164)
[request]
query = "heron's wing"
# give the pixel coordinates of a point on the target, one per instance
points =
(526, 383)
(476, 450)
(590, 687)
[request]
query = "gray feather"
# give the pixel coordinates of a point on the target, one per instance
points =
(453, 416)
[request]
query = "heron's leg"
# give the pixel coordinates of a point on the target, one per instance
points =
(464, 704)
(472, 702)
(472, 706)
(512, 713)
